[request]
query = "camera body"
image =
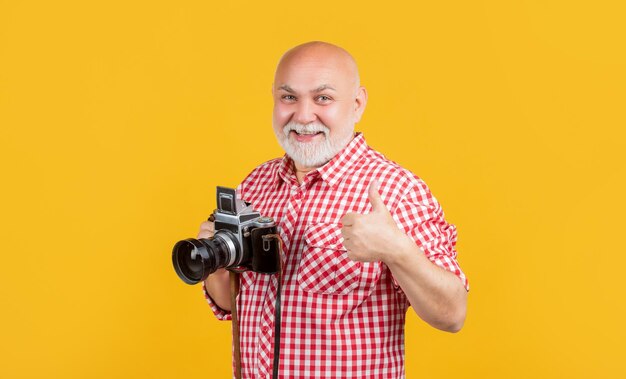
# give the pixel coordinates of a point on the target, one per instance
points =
(243, 240)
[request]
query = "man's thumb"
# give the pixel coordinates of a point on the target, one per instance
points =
(374, 197)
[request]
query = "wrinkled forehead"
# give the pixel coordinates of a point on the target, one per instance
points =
(310, 71)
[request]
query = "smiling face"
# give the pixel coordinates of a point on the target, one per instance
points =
(317, 101)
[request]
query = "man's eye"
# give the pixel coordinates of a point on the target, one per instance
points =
(288, 97)
(323, 98)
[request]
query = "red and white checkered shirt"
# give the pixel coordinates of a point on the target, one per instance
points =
(340, 318)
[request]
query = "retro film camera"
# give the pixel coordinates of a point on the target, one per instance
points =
(242, 241)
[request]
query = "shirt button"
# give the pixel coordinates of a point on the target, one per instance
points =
(265, 329)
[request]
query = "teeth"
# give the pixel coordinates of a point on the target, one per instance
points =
(308, 133)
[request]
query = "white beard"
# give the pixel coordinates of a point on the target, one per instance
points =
(312, 154)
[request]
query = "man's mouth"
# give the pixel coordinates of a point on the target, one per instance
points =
(306, 133)
(305, 136)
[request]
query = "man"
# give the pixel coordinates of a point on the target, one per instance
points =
(363, 238)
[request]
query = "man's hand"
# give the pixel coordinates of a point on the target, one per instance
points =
(207, 229)
(374, 236)
(217, 284)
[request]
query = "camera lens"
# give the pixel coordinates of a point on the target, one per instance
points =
(195, 259)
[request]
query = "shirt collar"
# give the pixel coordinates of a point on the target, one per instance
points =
(332, 172)
(285, 172)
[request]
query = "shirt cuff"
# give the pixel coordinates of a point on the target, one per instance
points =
(217, 311)
(450, 264)
(445, 262)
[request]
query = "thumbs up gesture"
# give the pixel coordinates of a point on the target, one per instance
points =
(374, 236)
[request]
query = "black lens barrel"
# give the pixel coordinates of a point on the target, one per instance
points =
(190, 257)
(195, 259)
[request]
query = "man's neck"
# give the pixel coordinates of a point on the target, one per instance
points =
(301, 171)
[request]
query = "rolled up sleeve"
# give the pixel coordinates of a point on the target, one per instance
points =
(422, 219)
(217, 311)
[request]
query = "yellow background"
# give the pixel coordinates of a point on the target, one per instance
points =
(119, 118)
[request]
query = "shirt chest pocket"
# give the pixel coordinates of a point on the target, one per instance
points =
(325, 267)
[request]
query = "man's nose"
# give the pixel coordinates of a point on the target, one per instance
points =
(305, 113)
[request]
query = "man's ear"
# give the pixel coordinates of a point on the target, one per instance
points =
(359, 103)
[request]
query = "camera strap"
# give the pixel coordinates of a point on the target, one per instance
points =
(277, 310)
(234, 291)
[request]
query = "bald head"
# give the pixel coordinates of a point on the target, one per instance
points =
(331, 57)
(317, 101)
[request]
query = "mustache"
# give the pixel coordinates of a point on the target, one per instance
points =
(310, 128)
